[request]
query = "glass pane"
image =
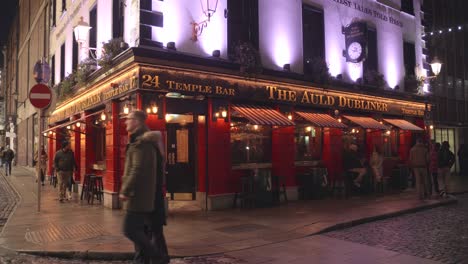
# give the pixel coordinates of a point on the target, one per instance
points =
(250, 143)
(182, 144)
(308, 141)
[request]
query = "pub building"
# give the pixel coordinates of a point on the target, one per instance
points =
(219, 123)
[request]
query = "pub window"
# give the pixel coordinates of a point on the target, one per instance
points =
(409, 53)
(242, 22)
(52, 71)
(390, 143)
(308, 140)
(62, 62)
(407, 6)
(93, 30)
(250, 143)
(372, 61)
(117, 18)
(75, 55)
(100, 144)
(313, 36)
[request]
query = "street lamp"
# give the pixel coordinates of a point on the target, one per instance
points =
(436, 66)
(82, 31)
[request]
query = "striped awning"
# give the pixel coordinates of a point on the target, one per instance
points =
(366, 122)
(403, 124)
(321, 120)
(259, 115)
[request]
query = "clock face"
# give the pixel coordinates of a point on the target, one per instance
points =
(354, 50)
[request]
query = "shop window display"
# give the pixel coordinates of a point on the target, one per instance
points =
(308, 140)
(250, 143)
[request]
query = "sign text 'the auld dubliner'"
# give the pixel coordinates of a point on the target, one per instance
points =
(310, 98)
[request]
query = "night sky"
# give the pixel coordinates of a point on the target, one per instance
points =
(7, 13)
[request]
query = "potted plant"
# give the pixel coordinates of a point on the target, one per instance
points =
(317, 69)
(65, 87)
(247, 56)
(374, 79)
(110, 50)
(85, 68)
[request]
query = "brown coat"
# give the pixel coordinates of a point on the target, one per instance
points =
(139, 179)
(41, 163)
(419, 156)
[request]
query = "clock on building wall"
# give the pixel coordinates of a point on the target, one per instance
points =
(355, 40)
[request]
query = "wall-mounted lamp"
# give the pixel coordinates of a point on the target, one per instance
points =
(309, 129)
(223, 112)
(255, 127)
(154, 109)
(431, 127)
(290, 116)
(103, 116)
(388, 132)
(287, 67)
(339, 120)
(126, 109)
(50, 132)
(216, 53)
(68, 127)
(209, 8)
(78, 125)
(45, 134)
(171, 45)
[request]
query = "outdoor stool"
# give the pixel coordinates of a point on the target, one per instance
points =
(86, 187)
(247, 192)
(278, 188)
(97, 188)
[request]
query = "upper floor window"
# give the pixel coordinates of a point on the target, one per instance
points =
(372, 61)
(52, 72)
(62, 62)
(93, 30)
(409, 54)
(53, 12)
(407, 6)
(313, 37)
(242, 22)
(64, 5)
(117, 18)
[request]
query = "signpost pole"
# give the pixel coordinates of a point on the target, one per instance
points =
(39, 158)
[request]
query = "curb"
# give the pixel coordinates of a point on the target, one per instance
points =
(452, 200)
(90, 255)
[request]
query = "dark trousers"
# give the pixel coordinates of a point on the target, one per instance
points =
(134, 228)
(7, 168)
(435, 182)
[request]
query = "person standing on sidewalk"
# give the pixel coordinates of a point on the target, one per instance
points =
(8, 156)
(419, 161)
(1, 156)
(41, 164)
(64, 164)
(434, 166)
(138, 191)
(463, 159)
(446, 161)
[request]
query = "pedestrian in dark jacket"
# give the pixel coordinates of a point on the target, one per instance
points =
(446, 161)
(139, 188)
(434, 166)
(8, 156)
(64, 164)
(1, 156)
(463, 159)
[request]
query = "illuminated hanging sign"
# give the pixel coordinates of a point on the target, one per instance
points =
(373, 12)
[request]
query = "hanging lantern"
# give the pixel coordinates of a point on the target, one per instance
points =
(81, 31)
(436, 66)
(209, 7)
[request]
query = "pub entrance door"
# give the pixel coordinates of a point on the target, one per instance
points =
(180, 157)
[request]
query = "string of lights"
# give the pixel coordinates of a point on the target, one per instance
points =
(445, 30)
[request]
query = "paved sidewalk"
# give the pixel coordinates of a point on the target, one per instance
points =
(92, 230)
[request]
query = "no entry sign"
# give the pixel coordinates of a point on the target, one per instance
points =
(40, 96)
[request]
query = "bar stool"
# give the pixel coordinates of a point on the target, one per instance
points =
(247, 192)
(97, 189)
(86, 187)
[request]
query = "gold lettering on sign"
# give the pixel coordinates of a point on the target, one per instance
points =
(281, 94)
(350, 103)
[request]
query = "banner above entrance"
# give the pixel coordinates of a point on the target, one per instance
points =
(185, 82)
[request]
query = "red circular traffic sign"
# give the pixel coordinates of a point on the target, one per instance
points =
(40, 96)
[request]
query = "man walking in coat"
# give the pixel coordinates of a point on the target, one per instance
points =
(419, 161)
(8, 156)
(139, 188)
(64, 164)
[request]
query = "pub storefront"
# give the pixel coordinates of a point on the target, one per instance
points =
(219, 127)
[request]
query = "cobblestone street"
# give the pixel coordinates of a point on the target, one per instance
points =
(8, 200)
(439, 234)
(27, 259)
